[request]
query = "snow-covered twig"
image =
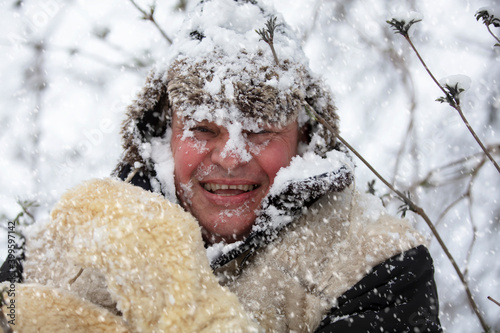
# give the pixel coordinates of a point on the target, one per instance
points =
(451, 91)
(493, 300)
(150, 17)
(267, 35)
(462, 172)
(488, 17)
(397, 60)
(411, 206)
(403, 23)
(136, 63)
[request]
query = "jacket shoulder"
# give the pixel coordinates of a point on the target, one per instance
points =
(398, 295)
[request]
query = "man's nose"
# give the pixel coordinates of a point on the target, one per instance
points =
(229, 154)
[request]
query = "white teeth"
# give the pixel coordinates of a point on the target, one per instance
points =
(214, 187)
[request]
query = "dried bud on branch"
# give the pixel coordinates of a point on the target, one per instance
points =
(403, 22)
(488, 17)
(454, 86)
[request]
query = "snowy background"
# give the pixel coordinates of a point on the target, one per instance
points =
(68, 69)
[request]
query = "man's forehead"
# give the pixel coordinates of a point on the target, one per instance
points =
(229, 119)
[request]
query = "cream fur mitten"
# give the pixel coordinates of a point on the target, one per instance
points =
(151, 255)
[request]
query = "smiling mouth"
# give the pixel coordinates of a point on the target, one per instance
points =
(228, 190)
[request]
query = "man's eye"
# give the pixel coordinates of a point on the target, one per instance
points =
(201, 129)
(260, 137)
(258, 133)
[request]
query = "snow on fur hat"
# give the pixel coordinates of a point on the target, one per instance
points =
(219, 69)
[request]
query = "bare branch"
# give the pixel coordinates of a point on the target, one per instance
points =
(493, 300)
(454, 103)
(489, 19)
(150, 17)
(413, 207)
(457, 168)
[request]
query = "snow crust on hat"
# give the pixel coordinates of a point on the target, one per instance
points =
(230, 25)
(221, 70)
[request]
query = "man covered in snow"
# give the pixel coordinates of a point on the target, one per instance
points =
(224, 129)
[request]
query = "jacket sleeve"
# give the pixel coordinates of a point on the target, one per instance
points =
(11, 270)
(398, 295)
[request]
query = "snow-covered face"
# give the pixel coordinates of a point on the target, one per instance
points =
(222, 173)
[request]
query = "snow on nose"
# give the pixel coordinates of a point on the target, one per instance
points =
(236, 146)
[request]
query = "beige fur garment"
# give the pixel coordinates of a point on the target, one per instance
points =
(116, 258)
(126, 250)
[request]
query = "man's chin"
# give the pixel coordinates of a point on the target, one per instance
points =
(215, 236)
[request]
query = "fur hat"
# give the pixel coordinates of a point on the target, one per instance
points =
(220, 69)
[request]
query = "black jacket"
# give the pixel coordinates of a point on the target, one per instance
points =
(399, 295)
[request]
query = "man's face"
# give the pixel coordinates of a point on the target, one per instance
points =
(223, 173)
